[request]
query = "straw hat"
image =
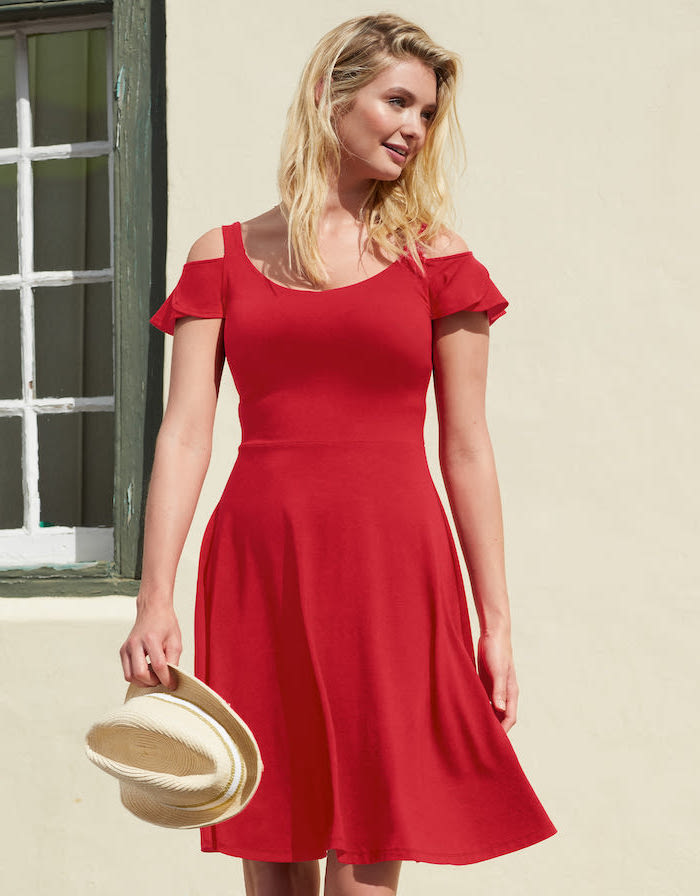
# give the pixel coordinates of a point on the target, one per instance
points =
(183, 757)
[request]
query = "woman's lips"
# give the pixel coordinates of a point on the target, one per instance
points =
(395, 154)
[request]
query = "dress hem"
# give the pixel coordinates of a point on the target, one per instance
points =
(350, 856)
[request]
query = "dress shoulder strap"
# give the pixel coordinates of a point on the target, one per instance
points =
(233, 242)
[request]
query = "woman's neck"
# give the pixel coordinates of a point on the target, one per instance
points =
(345, 202)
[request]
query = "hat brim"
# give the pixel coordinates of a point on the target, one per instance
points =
(191, 689)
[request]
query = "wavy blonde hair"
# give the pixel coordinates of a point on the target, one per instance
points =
(408, 211)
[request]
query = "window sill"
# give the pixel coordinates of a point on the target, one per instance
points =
(81, 580)
(39, 9)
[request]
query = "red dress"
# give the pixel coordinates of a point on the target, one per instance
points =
(330, 610)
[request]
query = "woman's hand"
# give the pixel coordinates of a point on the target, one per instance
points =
(156, 635)
(497, 672)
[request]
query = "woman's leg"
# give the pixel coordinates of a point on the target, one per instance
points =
(377, 879)
(281, 878)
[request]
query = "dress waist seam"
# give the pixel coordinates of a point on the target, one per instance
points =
(264, 443)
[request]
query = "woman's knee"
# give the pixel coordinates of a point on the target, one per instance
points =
(377, 879)
(281, 878)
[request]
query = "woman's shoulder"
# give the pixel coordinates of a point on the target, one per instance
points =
(212, 244)
(265, 235)
(446, 242)
(208, 245)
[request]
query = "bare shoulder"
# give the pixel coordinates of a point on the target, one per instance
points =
(265, 234)
(267, 226)
(209, 245)
(447, 242)
(268, 221)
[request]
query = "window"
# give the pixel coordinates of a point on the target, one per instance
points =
(80, 372)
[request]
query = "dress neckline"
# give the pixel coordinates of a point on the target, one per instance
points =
(241, 246)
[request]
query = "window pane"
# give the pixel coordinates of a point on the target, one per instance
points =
(71, 214)
(11, 506)
(10, 350)
(9, 253)
(68, 86)
(8, 115)
(76, 469)
(73, 340)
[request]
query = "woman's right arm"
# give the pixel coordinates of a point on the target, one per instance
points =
(183, 451)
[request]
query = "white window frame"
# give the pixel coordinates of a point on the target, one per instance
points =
(33, 545)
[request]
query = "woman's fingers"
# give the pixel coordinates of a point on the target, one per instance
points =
(505, 698)
(155, 637)
(173, 650)
(141, 672)
(512, 701)
(172, 646)
(159, 666)
(499, 697)
(126, 662)
(497, 673)
(500, 690)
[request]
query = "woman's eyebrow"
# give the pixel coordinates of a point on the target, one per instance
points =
(410, 96)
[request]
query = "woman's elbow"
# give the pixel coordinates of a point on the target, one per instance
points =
(186, 437)
(466, 448)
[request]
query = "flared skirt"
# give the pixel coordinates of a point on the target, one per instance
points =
(331, 614)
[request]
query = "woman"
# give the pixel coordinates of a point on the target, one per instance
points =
(330, 608)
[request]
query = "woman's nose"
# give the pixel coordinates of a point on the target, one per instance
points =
(413, 126)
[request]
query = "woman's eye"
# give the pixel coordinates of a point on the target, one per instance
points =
(428, 116)
(399, 100)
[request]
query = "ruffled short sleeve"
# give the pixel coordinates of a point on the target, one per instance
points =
(461, 283)
(199, 293)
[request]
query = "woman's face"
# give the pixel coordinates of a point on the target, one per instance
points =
(388, 121)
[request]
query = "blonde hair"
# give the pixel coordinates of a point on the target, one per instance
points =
(408, 211)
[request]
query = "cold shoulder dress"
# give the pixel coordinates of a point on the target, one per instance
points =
(330, 610)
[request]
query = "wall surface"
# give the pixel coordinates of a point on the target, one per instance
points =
(581, 197)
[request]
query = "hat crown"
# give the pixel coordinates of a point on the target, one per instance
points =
(165, 744)
(183, 757)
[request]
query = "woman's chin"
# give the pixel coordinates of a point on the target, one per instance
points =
(388, 175)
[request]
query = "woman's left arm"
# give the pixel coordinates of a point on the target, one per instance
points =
(460, 361)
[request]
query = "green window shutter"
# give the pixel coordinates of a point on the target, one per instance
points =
(140, 206)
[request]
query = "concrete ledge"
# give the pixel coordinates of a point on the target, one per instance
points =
(65, 609)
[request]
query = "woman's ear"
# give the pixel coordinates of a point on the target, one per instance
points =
(318, 91)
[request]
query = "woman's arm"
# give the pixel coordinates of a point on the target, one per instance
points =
(182, 454)
(460, 360)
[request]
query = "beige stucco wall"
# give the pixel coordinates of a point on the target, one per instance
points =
(581, 198)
